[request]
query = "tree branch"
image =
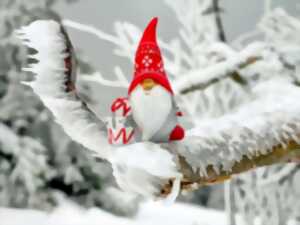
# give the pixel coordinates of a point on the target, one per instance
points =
(192, 180)
(219, 23)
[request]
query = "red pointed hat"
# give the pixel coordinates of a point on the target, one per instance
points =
(148, 60)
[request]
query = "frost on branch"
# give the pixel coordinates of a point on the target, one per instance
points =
(269, 119)
(51, 85)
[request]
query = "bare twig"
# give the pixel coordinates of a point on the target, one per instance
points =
(92, 30)
(120, 82)
(219, 23)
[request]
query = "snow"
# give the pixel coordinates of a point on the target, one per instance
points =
(150, 213)
(143, 168)
(179, 213)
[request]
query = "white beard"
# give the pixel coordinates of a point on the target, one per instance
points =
(150, 109)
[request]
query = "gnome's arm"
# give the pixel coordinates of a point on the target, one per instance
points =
(122, 127)
(178, 132)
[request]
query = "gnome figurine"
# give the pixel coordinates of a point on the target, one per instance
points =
(149, 113)
(150, 94)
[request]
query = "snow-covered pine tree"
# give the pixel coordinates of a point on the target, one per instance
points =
(24, 167)
(38, 162)
(242, 101)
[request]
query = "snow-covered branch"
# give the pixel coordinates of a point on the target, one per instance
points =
(56, 90)
(200, 79)
(278, 155)
(262, 132)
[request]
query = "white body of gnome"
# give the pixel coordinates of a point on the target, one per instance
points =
(150, 112)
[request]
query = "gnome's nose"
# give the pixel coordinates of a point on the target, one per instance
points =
(148, 84)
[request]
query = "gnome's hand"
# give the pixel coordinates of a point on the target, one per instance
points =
(177, 134)
(120, 128)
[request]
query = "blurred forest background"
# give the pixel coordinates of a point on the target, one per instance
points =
(39, 164)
